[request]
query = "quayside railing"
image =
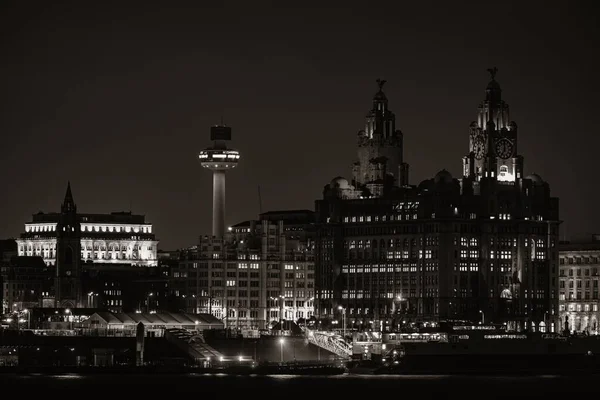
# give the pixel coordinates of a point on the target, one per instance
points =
(331, 342)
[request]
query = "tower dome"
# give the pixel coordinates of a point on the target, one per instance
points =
(443, 177)
(339, 183)
(535, 178)
(380, 99)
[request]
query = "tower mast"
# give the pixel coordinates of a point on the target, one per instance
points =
(259, 201)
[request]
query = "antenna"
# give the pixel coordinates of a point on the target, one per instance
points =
(259, 202)
(130, 205)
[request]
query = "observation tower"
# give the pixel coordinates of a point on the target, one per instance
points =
(219, 159)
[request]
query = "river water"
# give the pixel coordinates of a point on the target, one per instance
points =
(293, 387)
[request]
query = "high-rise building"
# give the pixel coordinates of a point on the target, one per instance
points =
(219, 158)
(260, 273)
(480, 248)
(578, 286)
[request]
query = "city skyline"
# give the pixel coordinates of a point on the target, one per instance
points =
(278, 117)
(413, 195)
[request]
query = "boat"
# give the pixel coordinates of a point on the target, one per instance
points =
(478, 350)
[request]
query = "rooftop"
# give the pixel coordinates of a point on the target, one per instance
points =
(158, 318)
(119, 217)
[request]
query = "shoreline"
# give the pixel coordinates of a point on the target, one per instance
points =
(282, 370)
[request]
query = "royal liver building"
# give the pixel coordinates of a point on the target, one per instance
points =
(480, 247)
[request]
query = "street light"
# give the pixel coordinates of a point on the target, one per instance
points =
(148, 302)
(343, 321)
(67, 312)
(482, 317)
(281, 299)
(91, 303)
(281, 341)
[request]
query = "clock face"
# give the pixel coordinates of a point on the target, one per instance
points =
(504, 148)
(478, 147)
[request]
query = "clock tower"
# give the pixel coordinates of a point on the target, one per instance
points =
(493, 140)
(380, 150)
(67, 281)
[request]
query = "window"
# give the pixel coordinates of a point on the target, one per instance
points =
(503, 170)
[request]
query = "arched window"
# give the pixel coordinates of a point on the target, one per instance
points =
(503, 170)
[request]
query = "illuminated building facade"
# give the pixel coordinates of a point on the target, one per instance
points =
(262, 271)
(116, 238)
(578, 286)
(482, 248)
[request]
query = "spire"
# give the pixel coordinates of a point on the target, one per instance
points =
(68, 203)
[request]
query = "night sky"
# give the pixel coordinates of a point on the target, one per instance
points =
(120, 100)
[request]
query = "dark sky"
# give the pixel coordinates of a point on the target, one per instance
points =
(120, 100)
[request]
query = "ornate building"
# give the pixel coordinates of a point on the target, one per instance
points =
(578, 286)
(116, 238)
(260, 273)
(480, 248)
(94, 261)
(380, 146)
(493, 140)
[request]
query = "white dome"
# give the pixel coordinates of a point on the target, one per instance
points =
(339, 183)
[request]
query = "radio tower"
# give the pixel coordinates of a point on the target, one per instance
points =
(219, 159)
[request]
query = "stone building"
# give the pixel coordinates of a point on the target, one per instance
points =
(118, 237)
(261, 272)
(77, 247)
(578, 286)
(481, 248)
(25, 282)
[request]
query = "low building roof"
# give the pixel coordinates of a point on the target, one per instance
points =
(176, 319)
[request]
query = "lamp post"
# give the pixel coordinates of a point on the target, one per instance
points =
(482, 317)
(281, 341)
(67, 312)
(343, 321)
(400, 309)
(148, 302)
(281, 299)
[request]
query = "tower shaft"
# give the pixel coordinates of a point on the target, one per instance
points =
(218, 225)
(219, 158)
